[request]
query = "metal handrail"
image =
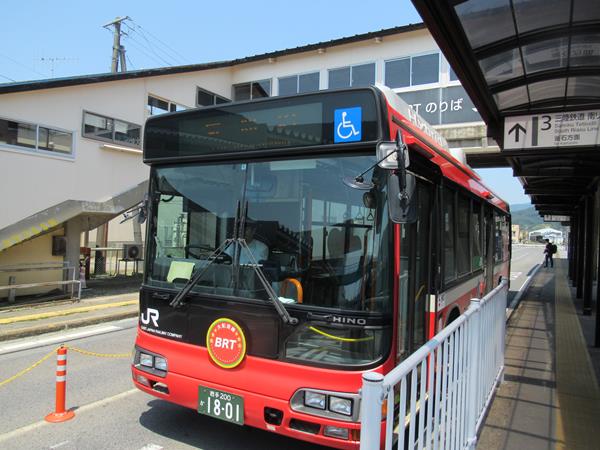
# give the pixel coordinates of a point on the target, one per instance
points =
(448, 383)
(30, 267)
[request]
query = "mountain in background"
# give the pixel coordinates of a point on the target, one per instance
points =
(529, 219)
(519, 207)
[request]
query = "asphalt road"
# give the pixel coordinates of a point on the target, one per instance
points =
(110, 413)
(525, 259)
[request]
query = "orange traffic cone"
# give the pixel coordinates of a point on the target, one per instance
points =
(60, 414)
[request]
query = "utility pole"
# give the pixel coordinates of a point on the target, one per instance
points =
(118, 50)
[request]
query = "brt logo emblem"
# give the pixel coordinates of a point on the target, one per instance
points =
(226, 343)
(347, 124)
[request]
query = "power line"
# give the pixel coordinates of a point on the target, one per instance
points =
(10, 79)
(148, 45)
(141, 49)
(182, 58)
(22, 65)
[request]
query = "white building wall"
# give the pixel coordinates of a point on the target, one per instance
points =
(369, 51)
(32, 182)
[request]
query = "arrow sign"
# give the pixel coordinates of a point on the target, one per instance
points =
(517, 128)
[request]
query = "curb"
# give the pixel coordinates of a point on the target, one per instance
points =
(515, 302)
(76, 323)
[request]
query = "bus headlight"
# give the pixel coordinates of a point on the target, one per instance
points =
(344, 406)
(315, 399)
(160, 363)
(340, 405)
(146, 360)
(150, 362)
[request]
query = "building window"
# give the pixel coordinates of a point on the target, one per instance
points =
(35, 137)
(412, 71)
(109, 129)
(352, 76)
(299, 84)
(453, 76)
(207, 98)
(252, 90)
(157, 105)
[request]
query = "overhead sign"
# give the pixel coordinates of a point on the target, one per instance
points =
(553, 218)
(565, 129)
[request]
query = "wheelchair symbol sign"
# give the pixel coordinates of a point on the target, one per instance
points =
(347, 125)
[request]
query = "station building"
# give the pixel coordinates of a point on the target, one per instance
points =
(70, 148)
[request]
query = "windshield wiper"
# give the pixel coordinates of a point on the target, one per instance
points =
(178, 299)
(283, 313)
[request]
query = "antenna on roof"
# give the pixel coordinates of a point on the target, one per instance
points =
(52, 60)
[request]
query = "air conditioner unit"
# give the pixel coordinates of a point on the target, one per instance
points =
(132, 252)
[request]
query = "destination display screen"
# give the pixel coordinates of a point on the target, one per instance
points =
(277, 123)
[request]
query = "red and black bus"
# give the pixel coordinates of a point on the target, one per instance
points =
(294, 243)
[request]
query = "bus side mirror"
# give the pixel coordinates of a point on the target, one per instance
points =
(402, 203)
(401, 184)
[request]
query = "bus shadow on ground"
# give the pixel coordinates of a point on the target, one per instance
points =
(189, 427)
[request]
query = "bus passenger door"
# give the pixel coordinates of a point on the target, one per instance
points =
(488, 246)
(415, 264)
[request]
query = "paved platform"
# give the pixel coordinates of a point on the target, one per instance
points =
(550, 397)
(31, 320)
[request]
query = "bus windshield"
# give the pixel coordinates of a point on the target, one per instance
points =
(319, 242)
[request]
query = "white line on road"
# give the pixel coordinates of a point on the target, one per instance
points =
(103, 402)
(60, 444)
(151, 447)
(64, 337)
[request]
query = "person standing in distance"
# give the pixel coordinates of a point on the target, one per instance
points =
(548, 252)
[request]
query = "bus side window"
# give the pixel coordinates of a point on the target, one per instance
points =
(448, 235)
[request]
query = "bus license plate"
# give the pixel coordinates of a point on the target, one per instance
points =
(221, 405)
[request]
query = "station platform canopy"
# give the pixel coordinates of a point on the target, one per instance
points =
(532, 69)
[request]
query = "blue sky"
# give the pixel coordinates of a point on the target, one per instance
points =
(44, 39)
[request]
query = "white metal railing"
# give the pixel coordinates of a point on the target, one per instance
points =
(72, 280)
(437, 398)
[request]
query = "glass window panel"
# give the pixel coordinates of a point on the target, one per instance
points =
(453, 76)
(533, 15)
(157, 106)
(25, 134)
(308, 82)
(546, 55)
(55, 141)
(511, 97)
(425, 102)
(462, 247)
(425, 69)
(448, 243)
(363, 75)
(288, 85)
(456, 106)
(543, 90)
(486, 21)
(584, 10)
(178, 107)
(204, 98)
(397, 73)
(585, 50)
(339, 78)
(98, 126)
(261, 89)
(584, 87)
(476, 254)
(241, 92)
(127, 133)
(502, 66)
(220, 100)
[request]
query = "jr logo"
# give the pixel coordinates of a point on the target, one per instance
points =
(151, 315)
